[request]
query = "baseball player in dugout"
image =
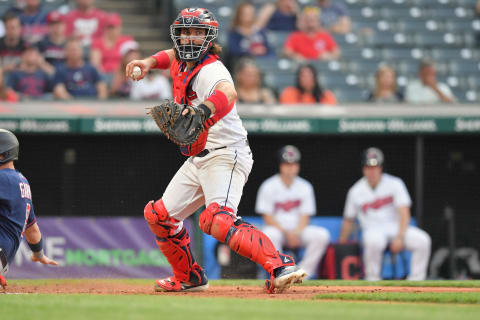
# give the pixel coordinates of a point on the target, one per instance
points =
(381, 203)
(17, 218)
(218, 164)
(287, 202)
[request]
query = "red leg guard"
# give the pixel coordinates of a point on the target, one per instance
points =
(155, 211)
(175, 247)
(242, 237)
(157, 217)
(178, 253)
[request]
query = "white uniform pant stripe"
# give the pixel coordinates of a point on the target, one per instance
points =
(230, 183)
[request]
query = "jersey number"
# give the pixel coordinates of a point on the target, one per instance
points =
(27, 213)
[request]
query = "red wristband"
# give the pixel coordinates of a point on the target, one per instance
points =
(163, 60)
(220, 100)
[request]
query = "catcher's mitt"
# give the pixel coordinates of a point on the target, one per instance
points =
(182, 129)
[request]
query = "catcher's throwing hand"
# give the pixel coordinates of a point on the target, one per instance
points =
(181, 123)
(44, 259)
(144, 68)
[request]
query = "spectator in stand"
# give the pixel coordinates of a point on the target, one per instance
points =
(426, 90)
(12, 44)
(34, 21)
(386, 88)
(307, 89)
(121, 84)
(86, 22)
(52, 47)
(279, 16)
(6, 93)
(244, 38)
(78, 79)
(106, 51)
(248, 82)
(29, 80)
(155, 86)
(312, 42)
(335, 17)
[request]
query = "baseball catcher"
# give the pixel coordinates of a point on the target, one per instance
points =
(204, 122)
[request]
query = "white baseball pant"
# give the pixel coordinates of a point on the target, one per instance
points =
(217, 177)
(313, 238)
(375, 241)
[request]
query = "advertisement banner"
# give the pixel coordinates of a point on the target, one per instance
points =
(95, 248)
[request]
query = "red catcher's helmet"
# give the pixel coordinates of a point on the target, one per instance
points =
(194, 18)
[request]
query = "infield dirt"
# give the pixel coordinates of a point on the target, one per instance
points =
(91, 286)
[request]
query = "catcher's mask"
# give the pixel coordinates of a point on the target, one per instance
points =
(9, 146)
(194, 18)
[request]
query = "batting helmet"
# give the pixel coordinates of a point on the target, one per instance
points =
(289, 154)
(9, 146)
(194, 18)
(372, 157)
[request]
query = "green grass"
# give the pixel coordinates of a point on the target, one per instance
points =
(430, 297)
(105, 307)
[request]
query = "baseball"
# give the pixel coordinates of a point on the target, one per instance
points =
(136, 72)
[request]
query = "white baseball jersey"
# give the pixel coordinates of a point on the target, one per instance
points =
(220, 175)
(228, 130)
(378, 206)
(286, 204)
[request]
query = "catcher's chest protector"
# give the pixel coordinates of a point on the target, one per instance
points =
(182, 78)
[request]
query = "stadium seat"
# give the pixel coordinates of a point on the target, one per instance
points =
(363, 67)
(421, 26)
(366, 53)
(350, 95)
(474, 81)
(438, 39)
(279, 81)
(462, 25)
(465, 96)
(364, 13)
(467, 3)
(450, 13)
(276, 39)
(461, 67)
(403, 53)
(453, 53)
(404, 14)
(388, 39)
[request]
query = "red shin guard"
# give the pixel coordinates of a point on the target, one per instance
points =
(241, 237)
(174, 246)
(178, 253)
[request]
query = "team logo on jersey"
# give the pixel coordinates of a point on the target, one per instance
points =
(377, 204)
(287, 205)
